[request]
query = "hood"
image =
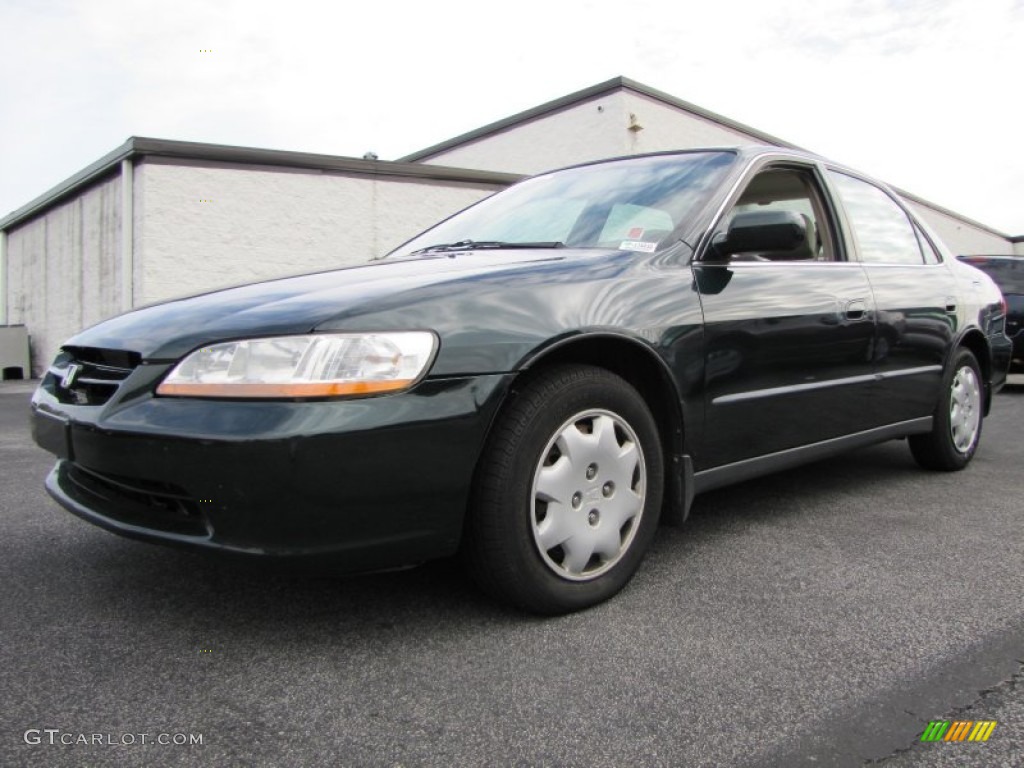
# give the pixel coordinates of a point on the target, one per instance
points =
(165, 332)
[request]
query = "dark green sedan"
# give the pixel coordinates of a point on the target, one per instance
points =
(535, 382)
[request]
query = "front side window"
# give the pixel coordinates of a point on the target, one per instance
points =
(631, 205)
(883, 232)
(795, 191)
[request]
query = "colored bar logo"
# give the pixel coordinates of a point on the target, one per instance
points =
(958, 730)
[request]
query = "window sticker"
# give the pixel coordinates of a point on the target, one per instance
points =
(638, 245)
(635, 233)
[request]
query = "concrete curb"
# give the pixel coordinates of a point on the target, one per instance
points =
(18, 387)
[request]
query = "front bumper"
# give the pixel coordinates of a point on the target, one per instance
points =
(367, 483)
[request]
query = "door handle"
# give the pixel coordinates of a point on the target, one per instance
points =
(856, 309)
(951, 304)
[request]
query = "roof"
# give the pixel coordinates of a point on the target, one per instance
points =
(140, 147)
(571, 100)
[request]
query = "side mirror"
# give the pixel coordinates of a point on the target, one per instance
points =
(762, 231)
(710, 279)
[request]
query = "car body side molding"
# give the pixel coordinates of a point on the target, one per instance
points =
(739, 471)
(773, 391)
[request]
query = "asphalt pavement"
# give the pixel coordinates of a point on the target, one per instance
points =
(822, 616)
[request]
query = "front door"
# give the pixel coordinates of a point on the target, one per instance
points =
(788, 336)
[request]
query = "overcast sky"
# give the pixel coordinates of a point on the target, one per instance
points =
(924, 94)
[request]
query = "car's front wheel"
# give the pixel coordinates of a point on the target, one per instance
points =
(568, 492)
(958, 418)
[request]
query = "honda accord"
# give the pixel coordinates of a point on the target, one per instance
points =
(537, 381)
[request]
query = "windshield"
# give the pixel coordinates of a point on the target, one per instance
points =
(631, 205)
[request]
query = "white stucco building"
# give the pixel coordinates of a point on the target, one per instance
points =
(623, 117)
(156, 219)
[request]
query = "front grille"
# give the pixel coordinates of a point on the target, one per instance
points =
(89, 375)
(139, 502)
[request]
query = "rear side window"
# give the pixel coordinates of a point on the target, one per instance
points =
(883, 231)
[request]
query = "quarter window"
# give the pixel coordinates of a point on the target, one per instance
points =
(882, 229)
(931, 256)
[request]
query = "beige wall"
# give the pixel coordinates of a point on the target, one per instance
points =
(589, 131)
(63, 268)
(582, 133)
(201, 228)
(666, 127)
(962, 237)
(596, 129)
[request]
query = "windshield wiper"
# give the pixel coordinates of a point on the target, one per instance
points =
(471, 245)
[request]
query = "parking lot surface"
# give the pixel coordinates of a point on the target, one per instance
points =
(822, 616)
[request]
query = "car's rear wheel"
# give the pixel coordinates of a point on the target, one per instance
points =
(568, 492)
(958, 418)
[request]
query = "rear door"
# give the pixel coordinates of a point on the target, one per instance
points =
(788, 336)
(916, 298)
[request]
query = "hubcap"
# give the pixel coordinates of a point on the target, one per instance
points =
(588, 495)
(964, 409)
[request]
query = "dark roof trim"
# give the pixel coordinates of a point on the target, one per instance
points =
(107, 165)
(140, 147)
(573, 99)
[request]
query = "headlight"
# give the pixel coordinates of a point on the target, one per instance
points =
(317, 365)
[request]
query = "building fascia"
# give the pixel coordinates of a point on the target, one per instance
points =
(138, 147)
(952, 214)
(580, 97)
(624, 83)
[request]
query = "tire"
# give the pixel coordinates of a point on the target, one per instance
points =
(958, 418)
(567, 493)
